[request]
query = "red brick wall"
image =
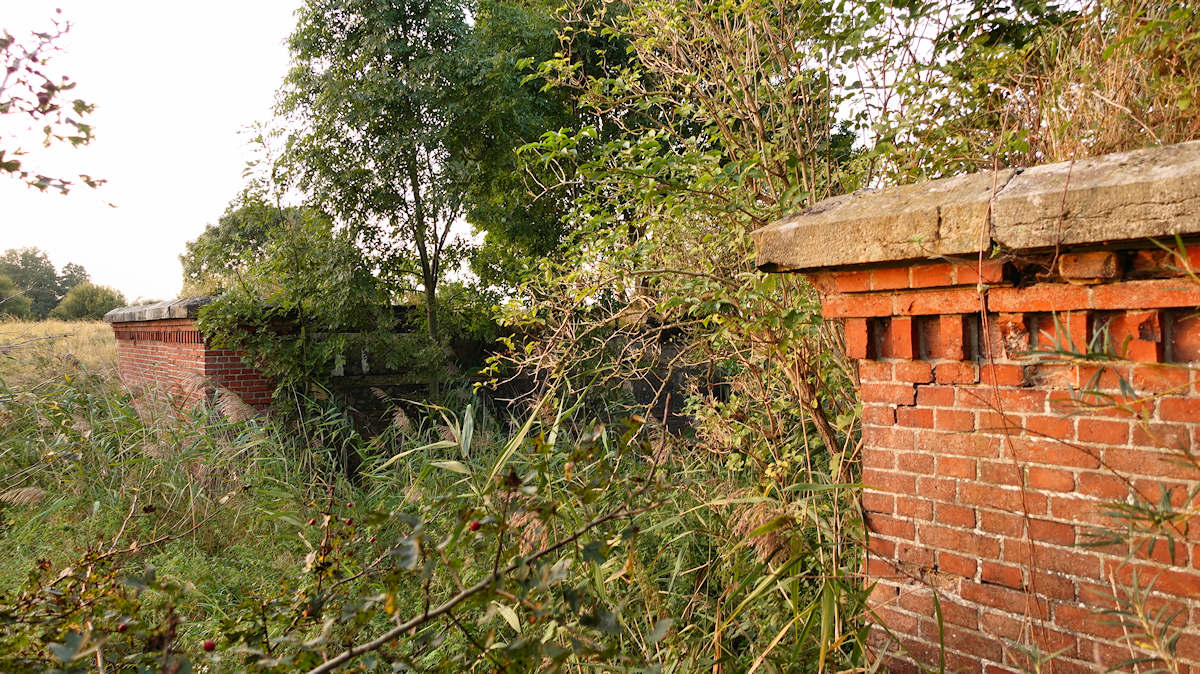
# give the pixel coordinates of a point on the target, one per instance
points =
(986, 466)
(169, 359)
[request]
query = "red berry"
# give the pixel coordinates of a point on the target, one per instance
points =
(312, 521)
(371, 539)
(348, 521)
(475, 525)
(122, 627)
(209, 644)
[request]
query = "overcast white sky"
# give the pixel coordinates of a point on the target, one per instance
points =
(173, 84)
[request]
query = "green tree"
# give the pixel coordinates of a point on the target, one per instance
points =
(71, 275)
(373, 87)
(226, 254)
(272, 266)
(30, 90)
(13, 301)
(33, 273)
(88, 302)
(509, 107)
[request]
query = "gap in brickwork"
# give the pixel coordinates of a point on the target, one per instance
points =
(876, 334)
(1181, 330)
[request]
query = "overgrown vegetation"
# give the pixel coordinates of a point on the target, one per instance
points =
(674, 485)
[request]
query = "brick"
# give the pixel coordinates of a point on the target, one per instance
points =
(1051, 426)
(1141, 462)
(956, 466)
(885, 525)
(898, 394)
(896, 621)
(1149, 294)
(1022, 400)
(1051, 532)
(886, 481)
(878, 458)
(858, 338)
(875, 371)
(960, 565)
(1011, 335)
(879, 415)
(881, 568)
(954, 420)
(957, 540)
(1069, 561)
(1050, 479)
(987, 271)
(935, 396)
(914, 417)
(1179, 409)
(1172, 436)
(899, 339)
(1086, 620)
(1006, 599)
(914, 508)
(1103, 486)
(1001, 574)
(1001, 498)
(914, 555)
(889, 437)
(881, 547)
(1001, 375)
(1040, 297)
(1000, 472)
(1103, 431)
(1183, 336)
(851, 281)
(957, 444)
(999, 424)
(955, 516)
(856, 306)
(936, 488)
(1091, 265)
(927, 302)
(1160, 379)
(1137, 336)
(914, 462)
(956, 373)
(932, 275)
(1064, 331)
(914, 371)
(890, 278)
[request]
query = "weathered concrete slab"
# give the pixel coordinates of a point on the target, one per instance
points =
(187, 307)
(928, 219)
(1150, 193)
(1141, 194)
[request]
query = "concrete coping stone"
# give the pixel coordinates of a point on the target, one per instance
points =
(187, 307)
(1126, 196)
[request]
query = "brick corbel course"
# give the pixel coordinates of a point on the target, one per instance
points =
(985, 464)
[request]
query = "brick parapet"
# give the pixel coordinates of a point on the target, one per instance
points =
(169, 359)
(998, 422)
(1009, 401)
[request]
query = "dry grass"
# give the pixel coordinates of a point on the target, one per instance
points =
(31, 351)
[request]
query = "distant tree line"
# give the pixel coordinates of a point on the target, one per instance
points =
(31, 289)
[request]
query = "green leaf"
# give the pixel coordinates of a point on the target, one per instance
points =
(455, 466)
(509, 615)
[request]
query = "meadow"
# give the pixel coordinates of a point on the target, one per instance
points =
(138, 536)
